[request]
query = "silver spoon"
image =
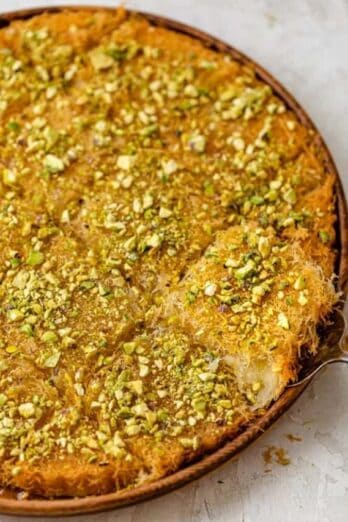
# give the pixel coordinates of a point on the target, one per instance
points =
(333, 349)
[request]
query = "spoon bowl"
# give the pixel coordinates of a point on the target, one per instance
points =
(333, 348)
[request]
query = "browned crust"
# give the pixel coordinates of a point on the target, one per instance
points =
(210, 443)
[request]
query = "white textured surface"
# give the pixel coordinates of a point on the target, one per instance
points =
(304, 43)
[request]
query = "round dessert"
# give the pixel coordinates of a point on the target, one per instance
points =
(166, 251)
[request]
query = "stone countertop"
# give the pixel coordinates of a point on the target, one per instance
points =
(303, 43)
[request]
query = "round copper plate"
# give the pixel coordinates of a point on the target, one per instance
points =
(230, 449)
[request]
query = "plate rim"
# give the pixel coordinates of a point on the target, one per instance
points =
(93, 504)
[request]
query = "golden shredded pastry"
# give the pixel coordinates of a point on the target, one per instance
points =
(166, 232)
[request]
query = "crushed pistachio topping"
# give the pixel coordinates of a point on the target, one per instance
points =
(121, 162)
